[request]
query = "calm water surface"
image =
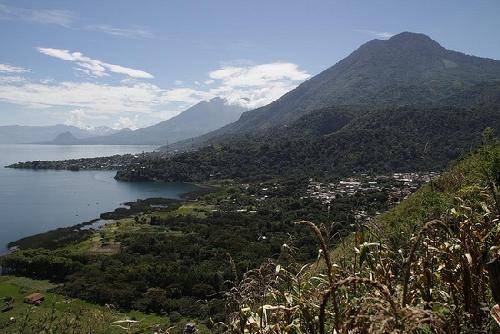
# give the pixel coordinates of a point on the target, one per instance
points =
(37, 201)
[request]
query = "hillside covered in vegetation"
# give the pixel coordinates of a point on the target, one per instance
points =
(332, 142)
(430, 265)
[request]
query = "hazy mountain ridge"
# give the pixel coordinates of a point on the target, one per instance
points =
(20, 134)
(65, 138)
(201, 118)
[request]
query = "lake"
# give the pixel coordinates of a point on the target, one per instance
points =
(37, 201)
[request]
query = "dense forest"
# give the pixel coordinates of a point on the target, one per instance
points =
(332, 142)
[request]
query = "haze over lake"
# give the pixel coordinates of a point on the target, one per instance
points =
(36, 201)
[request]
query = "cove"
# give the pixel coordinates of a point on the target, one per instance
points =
(37, 201)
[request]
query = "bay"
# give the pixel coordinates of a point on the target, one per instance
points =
(37, 201)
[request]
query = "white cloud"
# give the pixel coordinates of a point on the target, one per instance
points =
(385, 34)
(11, 79)
(253, 97)
(79, 117)
(81, 102)
(44, 16)
(5, 68)
(250, 86)
(92, 97)
(258, 85)
(225, 72)
(134, 32)
(185, 95)
(93, 66)
(128, 71)
(259, 75)
(378, 34)
(126, 123)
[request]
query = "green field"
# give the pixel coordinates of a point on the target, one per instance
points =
(60, 314)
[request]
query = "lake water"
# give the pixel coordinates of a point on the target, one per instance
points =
(36, 201)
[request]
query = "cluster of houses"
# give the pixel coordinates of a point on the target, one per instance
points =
(261, 192)
(397, 185)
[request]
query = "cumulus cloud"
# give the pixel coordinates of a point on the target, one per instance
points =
(259, 75)
(58, 17)
(91, 100)
(253, 97)
(92, 97)
(93, 66)
(126, 123)
(11, 79)
(78, 117)
(257, 85)
(250, 86)
(185, 95)
(5, 68)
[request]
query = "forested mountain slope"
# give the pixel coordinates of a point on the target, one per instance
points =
(333, 142)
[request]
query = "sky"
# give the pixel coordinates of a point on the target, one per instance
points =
(127, 63)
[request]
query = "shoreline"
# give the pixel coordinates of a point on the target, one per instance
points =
(113, 162)
(64, 235)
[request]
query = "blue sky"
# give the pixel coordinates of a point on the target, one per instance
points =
(133, 63)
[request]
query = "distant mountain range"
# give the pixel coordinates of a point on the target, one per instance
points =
(201, 118)
(19, 134)
(405, 103)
